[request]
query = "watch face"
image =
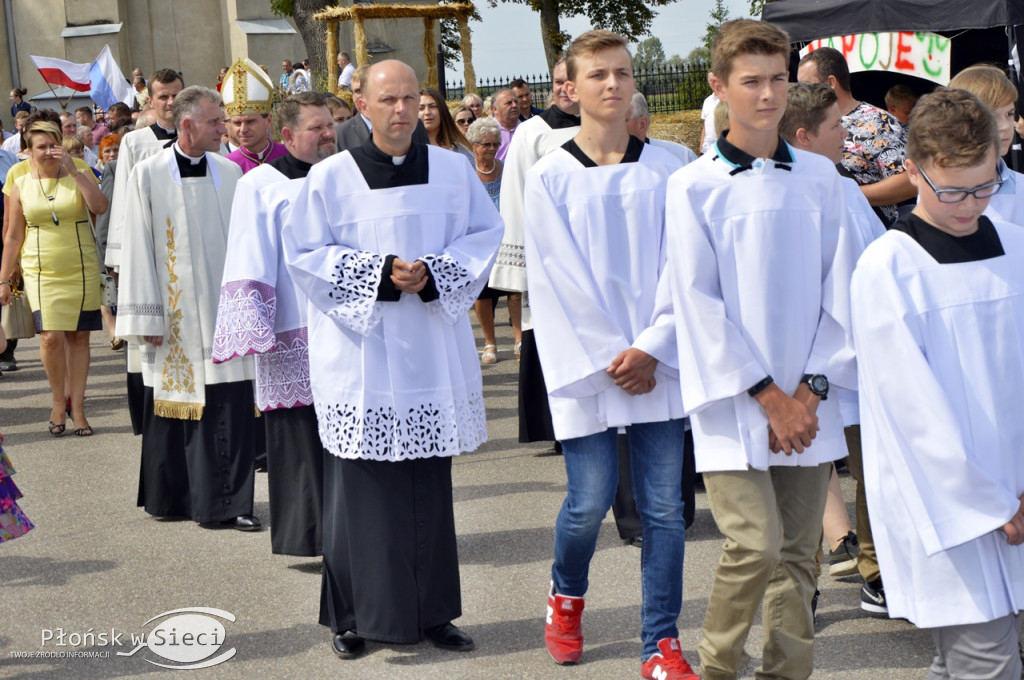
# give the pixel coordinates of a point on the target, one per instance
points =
(819, 384)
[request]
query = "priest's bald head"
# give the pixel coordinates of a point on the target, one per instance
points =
(199, 120)
(391, 96)
(307, 126)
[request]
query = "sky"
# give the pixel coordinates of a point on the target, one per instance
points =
(507, 41)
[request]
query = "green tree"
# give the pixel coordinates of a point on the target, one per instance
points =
(649, 55)
(719, 15)
(312, 32)
(757, 6)
(675, 61)
(698, 55)
(451, 39)
(629, 18)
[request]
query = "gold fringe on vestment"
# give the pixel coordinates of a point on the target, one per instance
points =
(182, 410)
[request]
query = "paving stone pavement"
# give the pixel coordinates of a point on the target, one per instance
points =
(98, 564)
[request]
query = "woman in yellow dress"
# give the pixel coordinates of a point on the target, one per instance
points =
(50, 197)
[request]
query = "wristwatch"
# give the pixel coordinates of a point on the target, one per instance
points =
(818, 384)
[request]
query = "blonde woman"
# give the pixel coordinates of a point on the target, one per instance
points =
(51, 197)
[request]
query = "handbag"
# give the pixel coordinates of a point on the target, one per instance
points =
(108, 294)
(108, 286)
(16, 318)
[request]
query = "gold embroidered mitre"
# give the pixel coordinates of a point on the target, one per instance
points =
(246, 89)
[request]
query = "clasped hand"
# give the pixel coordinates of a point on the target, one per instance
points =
(633, 371)
(793, 421)
(409, 277)
(1014, 529)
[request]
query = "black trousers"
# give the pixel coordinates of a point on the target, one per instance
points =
(627, 521)
(295, 480)
(534, 412)
(137, 400)
(203, 468)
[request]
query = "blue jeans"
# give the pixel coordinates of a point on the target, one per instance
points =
(656, 462)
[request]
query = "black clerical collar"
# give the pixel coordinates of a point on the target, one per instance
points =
(290, 166)
(188, 166)
(741, 160)
(162, 133)
(632, 155)
(558, 119)
(380, 171)
(946, 248)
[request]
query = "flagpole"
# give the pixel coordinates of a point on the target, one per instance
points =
(64, 107)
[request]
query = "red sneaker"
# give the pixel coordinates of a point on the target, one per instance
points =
(563, 634)
(668, 663)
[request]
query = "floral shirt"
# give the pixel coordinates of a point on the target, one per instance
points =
(875, 148)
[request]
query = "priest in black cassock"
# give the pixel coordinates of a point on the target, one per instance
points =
(392, 241)
(197, 438)
(261, 313)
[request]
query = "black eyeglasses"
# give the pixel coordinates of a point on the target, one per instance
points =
(957, 195)
(464, 121)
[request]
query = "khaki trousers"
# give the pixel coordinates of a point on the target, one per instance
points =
(867, 560)
(772, 526)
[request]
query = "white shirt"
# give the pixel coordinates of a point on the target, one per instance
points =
(345, 79)
(707, 114)
(12, 143)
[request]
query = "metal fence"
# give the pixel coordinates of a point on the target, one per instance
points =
(668, 89)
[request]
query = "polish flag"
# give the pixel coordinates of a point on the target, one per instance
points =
(66, 73)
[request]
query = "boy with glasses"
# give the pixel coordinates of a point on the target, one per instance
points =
(938, 323)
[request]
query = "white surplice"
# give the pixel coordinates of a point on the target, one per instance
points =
(940, 352)
(136, 146)
(533, 140)
(260, 311)
(173, 249)
(865, 227)
(760, 264)
(393, 380)
(595, 252)
(683, 153)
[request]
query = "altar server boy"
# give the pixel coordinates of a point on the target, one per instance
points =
(760, 259)
(938, 320)
(595, 253)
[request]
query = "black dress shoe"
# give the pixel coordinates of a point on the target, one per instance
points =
(348, 645)
(244, 523)
(447, 636)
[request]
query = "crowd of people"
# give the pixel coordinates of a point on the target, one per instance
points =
(826, 281)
